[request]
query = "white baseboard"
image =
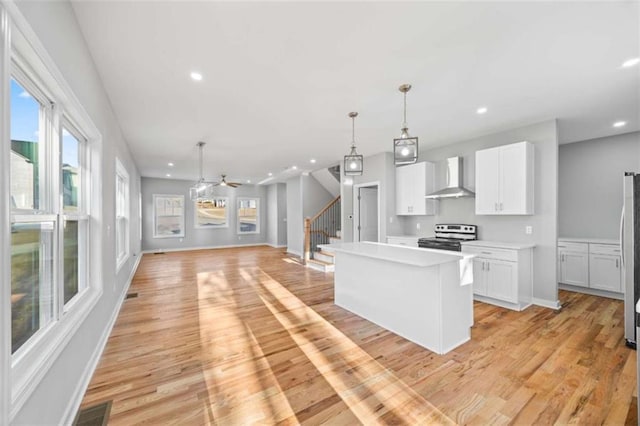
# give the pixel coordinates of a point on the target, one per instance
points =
(165, 250)
(551, 304)
(591, 291)
(83, 384)
(294, 252)
(277, 246)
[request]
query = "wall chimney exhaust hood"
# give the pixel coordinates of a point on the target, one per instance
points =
(454, 187)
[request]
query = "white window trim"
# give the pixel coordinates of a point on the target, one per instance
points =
(155, 216)
(226, 215)
(81, 215)
(22, 374)
(122, 258)
(259, 213)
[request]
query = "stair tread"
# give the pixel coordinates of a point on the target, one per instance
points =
(326, 253)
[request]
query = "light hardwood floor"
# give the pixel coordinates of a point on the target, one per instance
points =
(238, 336)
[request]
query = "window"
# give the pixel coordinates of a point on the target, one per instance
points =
(248, 215)
(34, 221)
(47, 254)
(211, 213)
(168, 216)
(122, 214)
(76, 223)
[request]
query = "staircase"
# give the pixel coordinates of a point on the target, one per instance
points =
(322, 229)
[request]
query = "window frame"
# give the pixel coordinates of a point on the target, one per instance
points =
(81, 215)
(258, 212)
(155, 216)
(226, 214)
(122, 214)
(23, 370)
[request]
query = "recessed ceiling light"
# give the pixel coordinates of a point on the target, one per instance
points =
(248, 180)
(270, 174)
(481, 110)
(313, 161)
(168, 175)
(294, 167)
(170, 164)
(619, 124)
(196, 76)
(630, 62)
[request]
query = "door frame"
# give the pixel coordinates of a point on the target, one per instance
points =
(356, 208)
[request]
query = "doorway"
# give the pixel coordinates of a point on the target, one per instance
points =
(366, 212)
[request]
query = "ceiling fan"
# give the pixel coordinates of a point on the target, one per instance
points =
(201, 189)
(223, 182)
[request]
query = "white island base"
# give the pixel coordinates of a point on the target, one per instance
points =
(422, 295)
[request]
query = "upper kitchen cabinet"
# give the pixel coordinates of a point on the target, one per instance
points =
(504, 180)
(413, 182)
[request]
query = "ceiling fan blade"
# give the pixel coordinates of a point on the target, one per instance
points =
(233, 184)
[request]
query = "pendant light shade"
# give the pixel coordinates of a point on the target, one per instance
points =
(353, 162)
(405, 148)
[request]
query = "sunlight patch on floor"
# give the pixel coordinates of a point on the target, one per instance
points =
(241, 386)
(369, 390)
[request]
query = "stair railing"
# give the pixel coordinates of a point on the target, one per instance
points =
(321, 227)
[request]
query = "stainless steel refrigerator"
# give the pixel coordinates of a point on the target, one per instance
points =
(630, 245)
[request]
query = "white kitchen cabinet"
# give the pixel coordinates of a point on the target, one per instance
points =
(479, 277)
(413, 182)
(573, 267)
(605, 267)
(502, 273)
(504, 180)
(590, 265)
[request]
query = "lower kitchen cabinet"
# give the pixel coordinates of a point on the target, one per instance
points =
(573, 267)
(502, 273)
(590, 267)
(604, 272)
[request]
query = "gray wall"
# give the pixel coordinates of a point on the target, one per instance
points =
(277, 215)
(295, 232)
(590, 184)
(282, 215)
(55, 25)
(195, 238)
(314, 196)
(377, 168)
(506, 228)
(305, 197)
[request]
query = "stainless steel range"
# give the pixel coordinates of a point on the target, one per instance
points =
(449, 236)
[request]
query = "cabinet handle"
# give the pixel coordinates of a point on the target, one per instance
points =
(485, 252)
(496, 206)
(483, 266)
(616, 263)
(488, 266)
(501, 207)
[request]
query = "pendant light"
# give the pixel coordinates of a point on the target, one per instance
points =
(405, 148)
(200, 189)
(353, 162)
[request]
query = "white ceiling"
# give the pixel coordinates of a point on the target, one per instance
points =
(280, 78)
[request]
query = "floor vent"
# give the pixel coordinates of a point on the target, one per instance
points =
(96, 415)
(159, 252)
(131, 296)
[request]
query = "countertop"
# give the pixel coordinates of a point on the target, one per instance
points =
(497, 244)
(412, 237)
(399, 254)
(589, 240)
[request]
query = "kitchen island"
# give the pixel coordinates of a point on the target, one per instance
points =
(423, 295)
